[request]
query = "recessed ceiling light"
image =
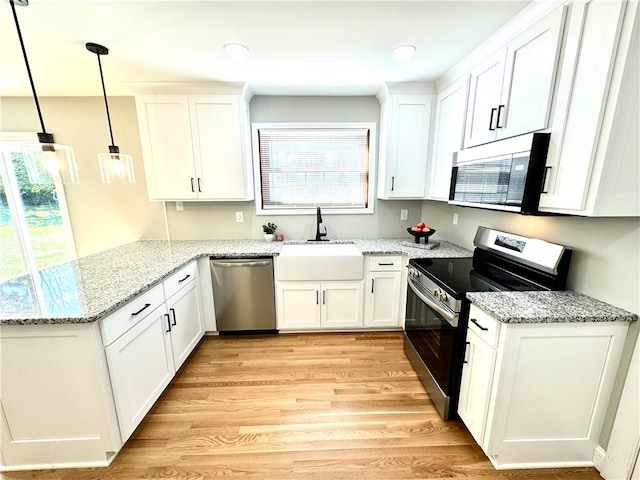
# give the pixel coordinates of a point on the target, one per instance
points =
(236, 51)
(403, 52)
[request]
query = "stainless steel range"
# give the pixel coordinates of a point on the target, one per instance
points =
(437, 309)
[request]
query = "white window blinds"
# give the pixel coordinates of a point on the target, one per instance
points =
(304, 167)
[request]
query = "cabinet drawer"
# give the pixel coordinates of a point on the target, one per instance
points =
(131, 314)
(180, 279)
(382, 263)
(485, 326)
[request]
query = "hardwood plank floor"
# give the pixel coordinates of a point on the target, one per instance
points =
(305, 407)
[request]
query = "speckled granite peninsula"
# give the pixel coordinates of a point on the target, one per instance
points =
(87, 289)
(547, 307)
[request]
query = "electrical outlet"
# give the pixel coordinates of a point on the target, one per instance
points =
(404, 214)
(455, 218)
(239, 218)
(179, 206)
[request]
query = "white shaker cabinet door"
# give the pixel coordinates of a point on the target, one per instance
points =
(218, 147)
(165, 134)
(475, 387)
(342, 304)
(186, 322)
(530, 73)
(298, 305)
(382, 299)
(484, 98)
(140, 367)
(404, 145)
(449, 136)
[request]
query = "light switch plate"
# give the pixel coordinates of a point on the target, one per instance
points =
(239, 218)
(179, 206)
(404, 214)
(455, 218)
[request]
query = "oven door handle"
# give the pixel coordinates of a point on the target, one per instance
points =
(452, 318)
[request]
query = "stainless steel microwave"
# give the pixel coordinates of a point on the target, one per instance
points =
(504, 175)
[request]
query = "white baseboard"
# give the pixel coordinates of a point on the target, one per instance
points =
(598, 457)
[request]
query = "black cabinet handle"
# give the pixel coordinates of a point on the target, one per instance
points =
(173, 312)
(385, 264)
(324, 297)
(544, 180)
(168, 322)
(193, 189)
(317, 298)
(199, 185)
(484, 329)
(500, 110)
(373, 281)
(493, 111)
(146, 305)
(183, 279)
(393, 183)
(465, 352)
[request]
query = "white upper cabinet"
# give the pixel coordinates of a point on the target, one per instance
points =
(195, 146)
(165, 135)
(219, 151)
(448, 137)
(511, 91)
(405, 120)
(592, 165)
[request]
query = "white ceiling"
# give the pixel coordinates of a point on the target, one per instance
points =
(296, 47)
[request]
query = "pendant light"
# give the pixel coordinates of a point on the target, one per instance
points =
(45, 157)
(115, 167)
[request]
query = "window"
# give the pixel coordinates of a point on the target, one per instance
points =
(35, 231)
(301, 166)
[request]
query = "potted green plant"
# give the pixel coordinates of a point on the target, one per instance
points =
(269, 229)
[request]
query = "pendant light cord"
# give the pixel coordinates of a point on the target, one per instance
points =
(104, 92)
(26, 61)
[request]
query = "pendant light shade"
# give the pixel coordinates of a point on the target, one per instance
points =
(115, 167)
(45, 158)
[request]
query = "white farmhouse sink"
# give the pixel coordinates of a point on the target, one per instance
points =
(319, 262)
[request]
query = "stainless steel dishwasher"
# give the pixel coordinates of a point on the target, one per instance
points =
(244, 295)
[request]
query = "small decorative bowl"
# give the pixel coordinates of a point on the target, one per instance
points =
(419, 235)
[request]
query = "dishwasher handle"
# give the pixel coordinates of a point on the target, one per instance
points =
(244, 263)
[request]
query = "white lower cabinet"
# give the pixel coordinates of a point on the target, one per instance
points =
(384, 293)
(186, 322)
(477, 372)
(72, 394)
(377, 302)
(535, 395)
(147, 351)
(140, 367)
(341, 305)
(311, 305)
(56, 405)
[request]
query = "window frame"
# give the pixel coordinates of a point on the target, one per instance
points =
(11, 142)
(368, 210)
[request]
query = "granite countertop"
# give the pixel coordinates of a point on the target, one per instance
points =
(547, 307)
(87, 289)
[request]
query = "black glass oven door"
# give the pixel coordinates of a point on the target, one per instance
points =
(433, 337)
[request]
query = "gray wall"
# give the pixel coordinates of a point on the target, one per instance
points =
(605, 263)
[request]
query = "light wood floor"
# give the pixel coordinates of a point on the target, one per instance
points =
(304, 407)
